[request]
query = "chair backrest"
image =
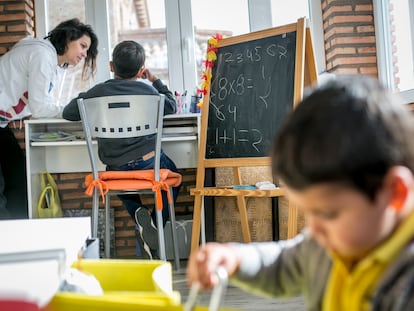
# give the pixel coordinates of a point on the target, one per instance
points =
(122, 116)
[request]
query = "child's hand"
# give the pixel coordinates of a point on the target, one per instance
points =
(203, 263)
(148, 75)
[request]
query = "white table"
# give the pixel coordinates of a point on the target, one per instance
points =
(180, 142)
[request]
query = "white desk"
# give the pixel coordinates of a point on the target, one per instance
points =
(180, 142)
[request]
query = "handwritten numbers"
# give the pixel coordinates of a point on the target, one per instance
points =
(251, 90)
(257, 140)
(228, 57)
(271, 50)
(249, 55)
(233, 136)
(257, 53)
(240, 85)
(267, 93)
(226, 87)
(239, 57)
(222, 93)
(233, 111)
(282, 52)
(219, 115)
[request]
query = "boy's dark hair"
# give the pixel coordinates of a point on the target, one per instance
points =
(127, 58)
(72, 30)
(350, 130)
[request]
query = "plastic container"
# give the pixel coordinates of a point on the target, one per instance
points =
(194, 101)
(127, 284)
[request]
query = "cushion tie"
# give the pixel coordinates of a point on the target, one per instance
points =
(136, 179)
(157, 187)
(102, 186)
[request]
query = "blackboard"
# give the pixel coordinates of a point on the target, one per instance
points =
(252, 90)
(261, 77)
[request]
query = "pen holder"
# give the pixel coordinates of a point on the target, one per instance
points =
(194, 102)
(181, 104)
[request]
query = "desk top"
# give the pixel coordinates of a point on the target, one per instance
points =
(58, 120)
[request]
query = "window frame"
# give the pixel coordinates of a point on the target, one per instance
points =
(384, 49)
(181, 57)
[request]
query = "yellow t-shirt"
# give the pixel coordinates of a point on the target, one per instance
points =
(351, 288)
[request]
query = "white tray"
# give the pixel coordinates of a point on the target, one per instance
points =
(52, 136)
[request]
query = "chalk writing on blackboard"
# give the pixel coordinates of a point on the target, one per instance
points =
(251, 92)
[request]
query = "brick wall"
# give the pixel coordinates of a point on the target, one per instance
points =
(16, 22)
(349, 36)
(73, 198)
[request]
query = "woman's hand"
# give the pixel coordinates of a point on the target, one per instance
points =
(204, 262)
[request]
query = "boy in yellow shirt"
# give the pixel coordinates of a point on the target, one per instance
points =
(346, 158)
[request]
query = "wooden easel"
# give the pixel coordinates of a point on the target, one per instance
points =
(304, 74)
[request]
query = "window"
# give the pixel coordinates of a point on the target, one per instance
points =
(69, 82)
(311, 9)
(146, 25)
(174, 33)
(395, 45)
(289, 13)
(216, 21)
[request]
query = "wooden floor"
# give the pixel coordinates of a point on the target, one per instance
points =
(238, 299)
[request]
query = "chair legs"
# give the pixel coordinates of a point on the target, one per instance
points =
(95, 220)
(95, 209)
(107, 226)
(161, 240)
(174, 233)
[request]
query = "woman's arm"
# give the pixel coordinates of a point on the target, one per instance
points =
(42, 77)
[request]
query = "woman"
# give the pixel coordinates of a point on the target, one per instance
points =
(27, 77)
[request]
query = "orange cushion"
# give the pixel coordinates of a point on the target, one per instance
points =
(134, 180)
(137, 179)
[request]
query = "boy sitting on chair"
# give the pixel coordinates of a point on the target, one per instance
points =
(346, 158)
(125, 154)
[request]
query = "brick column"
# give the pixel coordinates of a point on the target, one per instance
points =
(16, 22)
(349, 36)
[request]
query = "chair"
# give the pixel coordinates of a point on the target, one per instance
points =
(122, 117)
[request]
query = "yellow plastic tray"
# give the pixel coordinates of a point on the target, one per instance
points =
(127, 284)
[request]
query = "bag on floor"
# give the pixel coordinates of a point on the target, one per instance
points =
(48, 205)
